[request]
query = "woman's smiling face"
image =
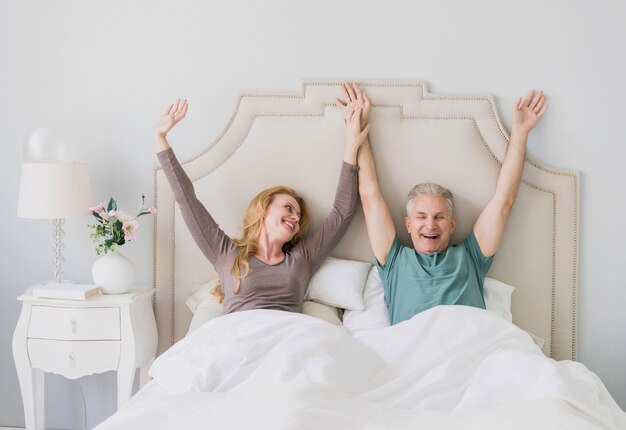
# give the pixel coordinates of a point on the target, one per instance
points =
(282, 218)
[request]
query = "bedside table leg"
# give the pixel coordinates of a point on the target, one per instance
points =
(144, 376)
(32, 387)
(40, 405)
(125, 379)
(25, 377)
(31, 380)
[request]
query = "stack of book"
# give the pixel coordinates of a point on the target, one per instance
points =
(66, 291)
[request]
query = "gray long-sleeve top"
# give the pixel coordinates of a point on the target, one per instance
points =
(280, 286)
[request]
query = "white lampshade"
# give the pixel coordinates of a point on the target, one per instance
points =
(54, 191)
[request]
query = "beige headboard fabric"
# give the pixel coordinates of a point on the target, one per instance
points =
(296, 139)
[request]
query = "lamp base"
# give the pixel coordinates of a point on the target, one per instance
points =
(58, 235)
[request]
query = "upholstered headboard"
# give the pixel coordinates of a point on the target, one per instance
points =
(296, 139)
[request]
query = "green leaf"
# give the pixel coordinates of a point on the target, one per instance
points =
(112, 206)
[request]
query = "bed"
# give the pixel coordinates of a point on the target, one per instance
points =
(449, 367)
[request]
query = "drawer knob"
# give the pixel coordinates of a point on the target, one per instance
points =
(73, 324)
(72, 358)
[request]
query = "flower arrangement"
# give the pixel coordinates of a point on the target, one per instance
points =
(114, 227)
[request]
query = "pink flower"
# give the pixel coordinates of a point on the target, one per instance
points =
(122, 216)
(152, 209)
(98, 208)
(130, 230)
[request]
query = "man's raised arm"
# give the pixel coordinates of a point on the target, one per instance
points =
(489, 227)
(380, 228)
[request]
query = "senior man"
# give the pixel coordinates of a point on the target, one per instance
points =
(432, 272)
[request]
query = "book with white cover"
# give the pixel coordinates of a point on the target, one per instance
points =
(66, 291)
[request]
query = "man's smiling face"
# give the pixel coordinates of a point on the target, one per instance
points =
(430, 224)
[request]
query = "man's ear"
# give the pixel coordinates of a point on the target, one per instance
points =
(453, 224)
(407, 224)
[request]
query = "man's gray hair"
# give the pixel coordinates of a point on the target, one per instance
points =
(429, 189)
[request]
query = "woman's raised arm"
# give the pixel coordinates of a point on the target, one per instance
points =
(211, 240)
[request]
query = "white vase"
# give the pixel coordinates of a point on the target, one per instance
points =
(114, 273)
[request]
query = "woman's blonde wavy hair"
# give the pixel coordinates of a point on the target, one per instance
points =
(247, 244)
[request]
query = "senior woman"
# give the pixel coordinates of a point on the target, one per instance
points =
(270, 265)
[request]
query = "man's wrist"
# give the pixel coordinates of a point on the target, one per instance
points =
(519, 134)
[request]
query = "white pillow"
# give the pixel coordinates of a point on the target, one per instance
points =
(207, 310)
(204, 305)
(375, 315)
(539, 341)
(321, 311)
(339, 283)
(498, 298)
(201, 292)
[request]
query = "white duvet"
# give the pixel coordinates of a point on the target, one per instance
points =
(447, 368)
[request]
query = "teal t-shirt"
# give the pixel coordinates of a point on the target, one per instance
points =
(415, 282)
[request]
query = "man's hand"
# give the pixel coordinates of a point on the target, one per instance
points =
(527, 112)
(354, 98)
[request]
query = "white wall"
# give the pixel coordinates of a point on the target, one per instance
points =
(108, 69)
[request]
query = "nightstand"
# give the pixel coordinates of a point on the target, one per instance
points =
(76, 338)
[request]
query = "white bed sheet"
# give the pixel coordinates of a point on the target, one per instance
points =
(149, 392)
(449, 367)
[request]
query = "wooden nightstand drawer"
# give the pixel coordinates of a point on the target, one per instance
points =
(74, 359)
(47, 322)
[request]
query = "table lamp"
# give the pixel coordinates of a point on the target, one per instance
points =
(54, 191)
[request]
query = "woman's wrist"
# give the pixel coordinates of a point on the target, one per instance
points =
(350, 154)
(161, 142)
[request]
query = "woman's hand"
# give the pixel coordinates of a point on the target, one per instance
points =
(356, 109)
(355, 135)
(171, 117)
(528, 112)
